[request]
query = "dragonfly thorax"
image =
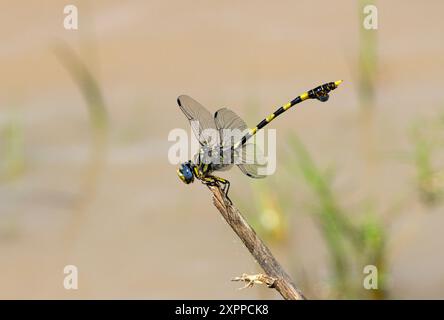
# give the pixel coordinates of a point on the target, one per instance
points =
(207, 155)
(214, 158)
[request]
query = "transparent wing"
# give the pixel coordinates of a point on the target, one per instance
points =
(251, 160)
(231, 127)
(201, 120)
(222, 167)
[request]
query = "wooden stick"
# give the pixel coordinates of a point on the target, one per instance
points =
(283, 283)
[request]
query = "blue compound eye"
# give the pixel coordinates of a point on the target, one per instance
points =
(185, 173)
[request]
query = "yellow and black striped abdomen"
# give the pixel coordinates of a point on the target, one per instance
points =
(320, 93)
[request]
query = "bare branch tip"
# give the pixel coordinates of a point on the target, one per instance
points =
(276, 277)
(252, 279)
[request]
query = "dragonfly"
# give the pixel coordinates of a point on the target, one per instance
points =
(224, 139)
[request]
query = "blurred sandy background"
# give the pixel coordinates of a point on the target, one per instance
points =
(136, 231)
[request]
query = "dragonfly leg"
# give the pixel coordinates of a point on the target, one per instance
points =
(213, 180)
(226, 187)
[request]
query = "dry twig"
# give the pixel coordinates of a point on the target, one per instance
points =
(281, 281)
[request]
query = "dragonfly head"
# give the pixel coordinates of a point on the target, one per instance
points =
(185, 172)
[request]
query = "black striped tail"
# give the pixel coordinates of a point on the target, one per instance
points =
(320, 93)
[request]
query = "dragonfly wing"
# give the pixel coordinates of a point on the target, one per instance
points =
(222, 167)
(231, 127)
(201, 120)
(251, 160)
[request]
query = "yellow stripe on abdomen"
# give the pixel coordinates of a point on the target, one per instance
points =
(286, 106)
(270, 117)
